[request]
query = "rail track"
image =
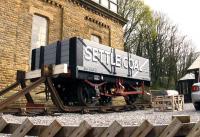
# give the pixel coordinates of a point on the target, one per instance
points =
(40, 109)
(58, 106)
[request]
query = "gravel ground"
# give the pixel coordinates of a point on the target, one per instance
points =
(124, 118)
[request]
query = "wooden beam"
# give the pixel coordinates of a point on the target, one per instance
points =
(96, 131)
(82, 130)
(3, 124)
(172, 128)
(195, 132)
(51, 130)
(182, 118)
(142, 130)
(23, 129)
(57, 69)
(112, 130)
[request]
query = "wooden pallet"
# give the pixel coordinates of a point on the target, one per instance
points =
(168, 103)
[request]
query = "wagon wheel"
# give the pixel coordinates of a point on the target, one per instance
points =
(130, 99)
(86, 95)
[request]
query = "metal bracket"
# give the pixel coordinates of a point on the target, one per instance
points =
(47, 70)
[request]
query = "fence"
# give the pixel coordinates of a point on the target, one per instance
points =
(177, 128)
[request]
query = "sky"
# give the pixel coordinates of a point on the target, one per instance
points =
(184, 13)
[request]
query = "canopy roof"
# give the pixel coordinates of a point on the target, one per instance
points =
(189, 76)
(195, 65)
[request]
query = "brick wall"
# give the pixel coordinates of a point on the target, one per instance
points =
(66, 19)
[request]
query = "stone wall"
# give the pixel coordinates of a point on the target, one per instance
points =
(65, 18)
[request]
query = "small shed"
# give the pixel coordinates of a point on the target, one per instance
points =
(194, 68)
(185, 84)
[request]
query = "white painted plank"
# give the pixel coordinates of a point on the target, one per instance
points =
(57, 69)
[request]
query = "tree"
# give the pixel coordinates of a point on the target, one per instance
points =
(152, 36)
(138, 15)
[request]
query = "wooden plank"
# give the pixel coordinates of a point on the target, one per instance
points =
(33, 74)
(142, 130)
(195, 132)
(51, 130)
(172, 128)
(58, 69)
(82, 130)
(182, 118)
(127, 131)
(66, 131)
(23, 129)
(156, 131)
(96, 131)
(112, 130)
(3, 124)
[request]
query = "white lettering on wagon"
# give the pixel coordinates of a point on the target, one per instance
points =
(110, 58)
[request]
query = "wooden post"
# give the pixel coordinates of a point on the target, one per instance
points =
(142, 130)
(3, 124)
(172, 128)
(195, 132)
(23, 129)
(51, 130)
(82, 130)
(112, 130)
(173, 103)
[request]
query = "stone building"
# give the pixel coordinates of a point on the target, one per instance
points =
(28, 24)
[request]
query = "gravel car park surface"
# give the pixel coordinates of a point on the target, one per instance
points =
(130, 118)
(124, 118)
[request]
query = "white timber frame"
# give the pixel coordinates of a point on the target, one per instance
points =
(57, 69)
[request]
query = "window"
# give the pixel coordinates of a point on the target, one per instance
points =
(109, 4)
(95, 38)
(39, 31)
(97, 1)
(105, 3)
(113, 7)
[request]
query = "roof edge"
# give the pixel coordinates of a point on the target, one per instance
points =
(102, 10)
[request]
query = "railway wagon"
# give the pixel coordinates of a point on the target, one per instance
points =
(94, 73)
(81, 75)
